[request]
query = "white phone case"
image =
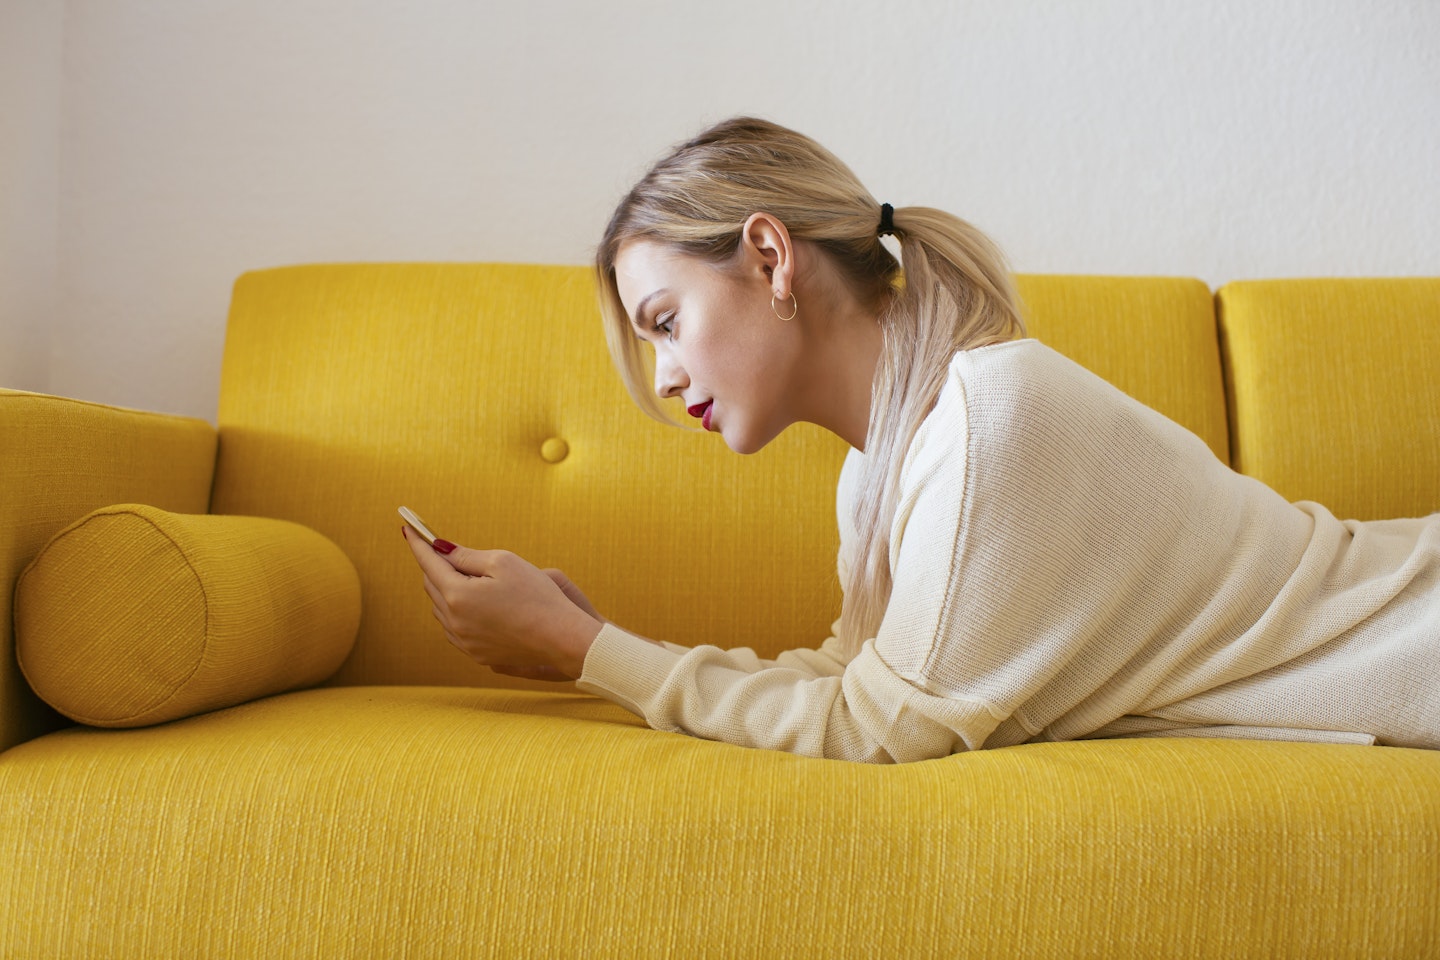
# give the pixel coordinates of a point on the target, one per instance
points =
(417, 525)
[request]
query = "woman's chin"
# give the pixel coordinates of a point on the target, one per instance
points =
(745, 441)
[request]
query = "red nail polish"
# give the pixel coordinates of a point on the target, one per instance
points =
(443, 546)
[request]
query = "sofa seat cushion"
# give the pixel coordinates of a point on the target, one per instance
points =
(437, 822)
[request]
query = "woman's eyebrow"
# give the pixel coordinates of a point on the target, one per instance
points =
(640, 308)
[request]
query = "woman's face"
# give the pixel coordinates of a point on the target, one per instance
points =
(718, 344)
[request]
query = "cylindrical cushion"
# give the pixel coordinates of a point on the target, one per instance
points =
(134, 616)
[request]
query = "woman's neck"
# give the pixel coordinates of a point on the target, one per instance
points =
(845, 342)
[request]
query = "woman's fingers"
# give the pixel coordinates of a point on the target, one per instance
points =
(474, 563)
(499, 609)
(437, 568)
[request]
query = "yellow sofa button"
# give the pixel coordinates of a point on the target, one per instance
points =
(554, 450)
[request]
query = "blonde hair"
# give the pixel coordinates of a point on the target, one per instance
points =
(956, 294)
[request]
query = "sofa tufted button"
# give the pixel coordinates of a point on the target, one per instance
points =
(554, 450)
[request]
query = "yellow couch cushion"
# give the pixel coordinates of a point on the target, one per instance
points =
(1335, 391)
(350, 390)
(133, 615)
(63, 458)
(450, 822)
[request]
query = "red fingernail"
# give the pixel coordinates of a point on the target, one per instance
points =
(443, 546)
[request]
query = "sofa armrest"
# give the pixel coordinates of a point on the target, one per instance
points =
(62, 459)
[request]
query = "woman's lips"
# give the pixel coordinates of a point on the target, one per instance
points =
(702, 410)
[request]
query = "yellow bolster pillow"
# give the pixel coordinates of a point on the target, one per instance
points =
(133, 616)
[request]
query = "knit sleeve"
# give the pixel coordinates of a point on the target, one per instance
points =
(865, 712)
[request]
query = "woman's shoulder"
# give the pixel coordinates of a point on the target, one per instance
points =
(1024, 362)
(1027, 381)
(996, 380)
(1022, 402)
(1007, 403)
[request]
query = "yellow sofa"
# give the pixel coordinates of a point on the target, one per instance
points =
(416, 805)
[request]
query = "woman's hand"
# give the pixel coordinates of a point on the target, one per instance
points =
(572, 592)
(506, 613)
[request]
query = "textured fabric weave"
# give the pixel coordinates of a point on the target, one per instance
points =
(1069, 563)
(135, 615)
(1335, 390)
(62, 459)
(437, 823)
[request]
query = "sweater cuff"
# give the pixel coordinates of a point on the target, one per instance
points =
(626, 669)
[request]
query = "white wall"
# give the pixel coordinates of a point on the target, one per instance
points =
(30, 33)
(1228, 139)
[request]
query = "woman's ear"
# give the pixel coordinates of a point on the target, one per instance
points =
(766, 248)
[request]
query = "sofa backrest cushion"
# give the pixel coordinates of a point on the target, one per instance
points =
(1334, 391)
(482, 396)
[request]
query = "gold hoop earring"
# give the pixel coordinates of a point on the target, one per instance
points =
(792, 312)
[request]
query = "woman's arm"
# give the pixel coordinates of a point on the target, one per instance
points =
(864, 712)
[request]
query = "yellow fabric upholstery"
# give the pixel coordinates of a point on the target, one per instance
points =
(61, 459)
(1335, 391)
(434, 822)
(384, 817)
(134, 615)
(1153, 337)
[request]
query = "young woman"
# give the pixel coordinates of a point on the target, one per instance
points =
(1026, 553)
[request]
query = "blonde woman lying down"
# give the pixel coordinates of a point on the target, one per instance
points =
(1026, 553)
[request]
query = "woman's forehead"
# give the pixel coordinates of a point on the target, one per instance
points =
(643, 267)
(640, 259)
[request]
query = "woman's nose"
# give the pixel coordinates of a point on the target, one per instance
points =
(670, 378)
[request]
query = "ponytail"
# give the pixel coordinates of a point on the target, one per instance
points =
(957, 295)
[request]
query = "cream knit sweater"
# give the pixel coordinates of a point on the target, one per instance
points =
(1068, 563)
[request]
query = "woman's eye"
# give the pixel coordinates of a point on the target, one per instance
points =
(666, 325)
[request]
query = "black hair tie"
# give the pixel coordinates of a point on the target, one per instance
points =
(887, 220)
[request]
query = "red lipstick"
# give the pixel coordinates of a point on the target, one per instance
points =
(701, 410)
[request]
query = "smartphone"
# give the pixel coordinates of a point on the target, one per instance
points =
(416, 524)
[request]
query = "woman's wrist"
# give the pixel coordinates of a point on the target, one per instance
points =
(580, 635)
